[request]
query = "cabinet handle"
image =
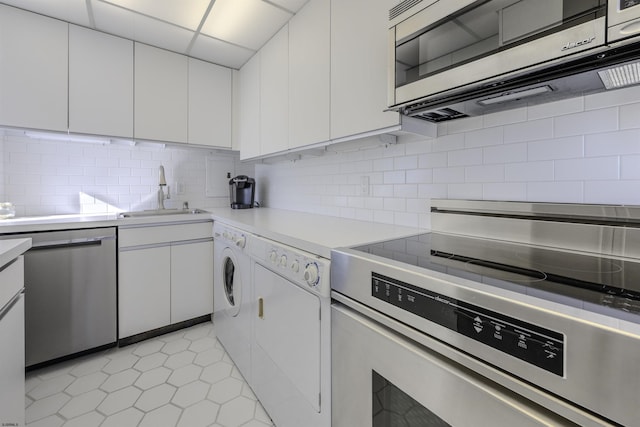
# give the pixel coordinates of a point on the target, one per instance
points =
(261, 308)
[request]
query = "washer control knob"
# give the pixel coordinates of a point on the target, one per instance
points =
(311, 274)
(283, 261)
(226, 235)
(273, 256)
(241, 241)
(295, 266)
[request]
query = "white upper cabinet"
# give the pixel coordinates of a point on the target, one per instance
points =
(161, 94)
(249, 108)
(33, 70)
(274, 90)
(359, 39)
(309, 74)
(209, 104)
(100, 83)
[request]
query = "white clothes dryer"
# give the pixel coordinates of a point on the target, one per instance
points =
(232, 294)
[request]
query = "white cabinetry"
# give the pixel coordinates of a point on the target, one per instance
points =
(359, 37)
(249, 108)
(209, 104)
(165, 276)
(274, 99)
(309, 74)
(100, 83)
(33, 70)
(161, 94)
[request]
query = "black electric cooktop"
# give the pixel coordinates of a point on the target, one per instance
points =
(603, 284)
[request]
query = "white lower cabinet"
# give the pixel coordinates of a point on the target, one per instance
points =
(165, 275)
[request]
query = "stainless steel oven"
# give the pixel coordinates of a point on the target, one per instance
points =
(504, 314)
(442, 51)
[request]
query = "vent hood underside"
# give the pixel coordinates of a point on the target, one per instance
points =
(601, 71)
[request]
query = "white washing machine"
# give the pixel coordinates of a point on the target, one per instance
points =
(232, 269)
(291, 354)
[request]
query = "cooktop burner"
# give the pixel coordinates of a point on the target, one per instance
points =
(540, 271)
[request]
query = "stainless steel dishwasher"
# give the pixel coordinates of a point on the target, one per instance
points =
(70, 293)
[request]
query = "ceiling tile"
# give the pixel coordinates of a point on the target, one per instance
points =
(248, 23)
(74, 11)
(291, 5)
(219, 52)
(131, 25)
(185, 13)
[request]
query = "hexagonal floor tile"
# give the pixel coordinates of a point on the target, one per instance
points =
(51, 386)
(149, 362)
(86, 383)
(148, 347)
(176, 346)
(237, 411)
(82, 404)
(127, 418)
(190, 394)
(119, 400)
(164, 416)
(199, 415)
(180, 359)
(45, 407)
(225, 390)
(120, 380)
(120, 364)
(184, 375)
(153, 378)
(90, 419)
(209, 357)
(89, 365)
(216, 372)
(202, 344)
(155, 397)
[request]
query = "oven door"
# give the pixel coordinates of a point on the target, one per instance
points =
(381, 379)
(449, 45)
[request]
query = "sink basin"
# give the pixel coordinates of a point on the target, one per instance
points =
(158, 212)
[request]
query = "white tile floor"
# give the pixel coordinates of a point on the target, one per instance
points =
(184, 378)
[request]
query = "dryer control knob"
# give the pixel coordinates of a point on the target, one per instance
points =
(283, 261)
(273, 256)
(226, 235)
(311, 274)
(241, 241)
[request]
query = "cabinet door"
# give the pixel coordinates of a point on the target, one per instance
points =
(33, 70)
(249, 117)
(274, 93)
(191, 280)
(144, 290)
(309, 81)
(359, 39)
(160, 94)
(100, 83)
(209, 104)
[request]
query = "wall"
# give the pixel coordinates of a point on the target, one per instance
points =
(581, 150)
(44, 177)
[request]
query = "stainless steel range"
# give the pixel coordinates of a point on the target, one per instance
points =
(506, 314)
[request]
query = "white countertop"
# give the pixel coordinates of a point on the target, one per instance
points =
(12, 249)
(317, 234)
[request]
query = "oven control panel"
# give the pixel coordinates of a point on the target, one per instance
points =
(538, 346)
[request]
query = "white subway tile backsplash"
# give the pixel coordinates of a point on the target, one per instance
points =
(433, 160)
(449, 142)
(505, 117)
(419, 176)
(613, 143)
(556, 148)
(529, 131)
(394, 177)
(448, 175)
(594, 121)
(504, 191)
(465, 157)
(530, 171)
(508, 153)
(630, 116)
(465, 191)
(614, 192)
(564, 192)
(484, 137)
(630, 167)
(486, 173)
(406, 162)
(612, 98)
(395, 204)
(596, 168)
(557, 108)
(405, 190)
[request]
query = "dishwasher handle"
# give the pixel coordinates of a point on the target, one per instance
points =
(9, 305)
(70, 243)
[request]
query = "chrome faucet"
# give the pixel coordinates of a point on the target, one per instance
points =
(162, 182)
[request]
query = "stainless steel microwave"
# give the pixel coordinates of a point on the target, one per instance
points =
(450, 59)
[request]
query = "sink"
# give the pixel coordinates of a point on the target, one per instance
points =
(158, 212)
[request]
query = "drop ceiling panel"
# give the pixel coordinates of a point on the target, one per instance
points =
(125, 23)
(185, 13)
(247, 23)
(219, 52)
(74, 11)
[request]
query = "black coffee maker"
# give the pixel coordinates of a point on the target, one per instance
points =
(242, 190)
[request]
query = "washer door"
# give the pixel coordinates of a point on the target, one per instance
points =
(231, 283)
